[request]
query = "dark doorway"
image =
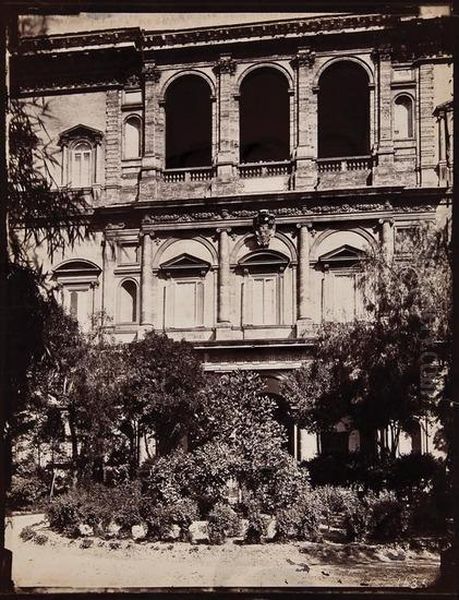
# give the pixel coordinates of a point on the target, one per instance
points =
(264, 117)
(344, 111)
(188, 123)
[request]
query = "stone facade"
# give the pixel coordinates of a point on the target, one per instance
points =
(242, 259)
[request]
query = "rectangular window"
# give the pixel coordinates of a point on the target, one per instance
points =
(188, 303)
(344, 298)
(265, 301)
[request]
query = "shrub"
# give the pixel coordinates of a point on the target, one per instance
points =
(86, 543)
(41, 539)
(257, 527)
(223, 522)
(213, 466)
(279, 486)
(126, 500)
(65, 512)
(301, 521)
(183, 513)
(327, 470)
(415, 473)
(159, 519)
(376, 518)
(165, 479)
(334, 501)
(27, 533)
(27, 490)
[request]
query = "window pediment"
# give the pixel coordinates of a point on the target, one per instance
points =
(268, 259)
(77, 267)
(80, 132)
(185, 264)
(344, 254)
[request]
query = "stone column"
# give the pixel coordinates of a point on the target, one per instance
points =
(304, 320)
(306, 120)
(152, 156)
(384, 171)
(227, 143)
(147, 282)
(224, 285)
(387, 238)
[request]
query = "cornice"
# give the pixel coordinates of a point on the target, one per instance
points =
(150, 40)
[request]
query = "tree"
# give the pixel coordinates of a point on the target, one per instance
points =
(392, 368)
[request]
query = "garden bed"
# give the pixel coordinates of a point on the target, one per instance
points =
(62, 562)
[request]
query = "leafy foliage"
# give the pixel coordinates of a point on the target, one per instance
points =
(370, 370)
(223, 521)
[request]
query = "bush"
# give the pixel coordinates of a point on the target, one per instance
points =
(165, 479)
(65, 512)
(27, 534)
(213, 467)
(160, 519)
(86, 543)
(328, 470)
(223, 522)
(415, 473)
(41, 539)
(27, 490)
(334, 501)
(375, 518)
(257, 527)
(301, 521)
(279, 487)
(126, 500)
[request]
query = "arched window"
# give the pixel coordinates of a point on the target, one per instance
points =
(82, 165)
(77, 280)
(264, 116)
(127, 310)
(132, 137)
(403, 117)
(344, 111)
(80, 155)
(188, 123)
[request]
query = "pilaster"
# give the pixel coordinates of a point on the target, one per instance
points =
(384, 170)
(227, 121)
(306, 120)
(113, 145)
(152, 155)
(427, 125)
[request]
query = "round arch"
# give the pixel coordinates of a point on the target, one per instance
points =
(157, 258)
(196, 72)
(188, 113)
(127, 304)
(270, 65)
(315, 246)
(338, 59)
(264, 115)
(344, 111)
(292, 252)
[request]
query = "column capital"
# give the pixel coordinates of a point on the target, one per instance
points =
(305, 58)
(151, 72)
(307, 225)
(223, 229)
(225, 65)
(382, 53)
(388, 220)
